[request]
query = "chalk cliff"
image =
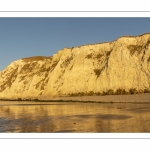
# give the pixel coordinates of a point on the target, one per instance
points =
(118, 67)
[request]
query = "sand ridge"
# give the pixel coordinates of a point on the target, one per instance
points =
(139, 98)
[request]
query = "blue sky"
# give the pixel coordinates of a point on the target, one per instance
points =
(25, 37)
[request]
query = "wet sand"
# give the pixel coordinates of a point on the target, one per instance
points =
(64, 117)
(139, 98)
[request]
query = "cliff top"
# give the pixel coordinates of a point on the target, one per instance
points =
(127, 36)
(35, 58)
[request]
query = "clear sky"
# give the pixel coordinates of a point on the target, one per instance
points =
(25, 37)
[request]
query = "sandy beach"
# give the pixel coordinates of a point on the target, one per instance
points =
(139, 98)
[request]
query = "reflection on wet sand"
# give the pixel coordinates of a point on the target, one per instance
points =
(74, 117)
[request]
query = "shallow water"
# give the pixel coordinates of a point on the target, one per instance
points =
(40, 117)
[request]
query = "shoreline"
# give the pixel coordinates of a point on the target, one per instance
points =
(134, 98)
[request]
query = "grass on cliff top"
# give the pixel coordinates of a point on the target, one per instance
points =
(135, 36)
(36, 58)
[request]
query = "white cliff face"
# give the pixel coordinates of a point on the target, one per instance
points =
(119, 67)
